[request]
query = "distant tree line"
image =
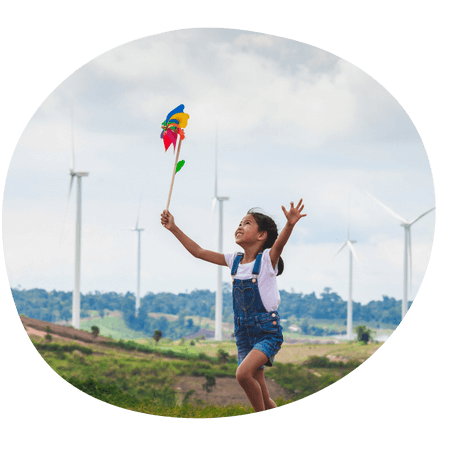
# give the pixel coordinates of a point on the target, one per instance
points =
(56, 306)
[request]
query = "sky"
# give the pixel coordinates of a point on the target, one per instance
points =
(293, 121)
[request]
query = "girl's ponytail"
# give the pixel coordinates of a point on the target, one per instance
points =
(266, 223)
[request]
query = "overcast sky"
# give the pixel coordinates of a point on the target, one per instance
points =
(293, 121)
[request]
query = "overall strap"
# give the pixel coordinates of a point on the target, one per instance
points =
(236, 262)
(257, 265)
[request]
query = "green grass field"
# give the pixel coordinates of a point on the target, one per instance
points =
(142, 376)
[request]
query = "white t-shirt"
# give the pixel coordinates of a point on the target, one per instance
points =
(267, 278)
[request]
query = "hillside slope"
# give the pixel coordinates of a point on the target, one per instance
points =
(225, 392)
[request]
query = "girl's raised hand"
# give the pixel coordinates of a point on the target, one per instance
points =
(167, 219)
(295, 213)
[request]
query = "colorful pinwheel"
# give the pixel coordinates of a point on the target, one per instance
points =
(173, 127)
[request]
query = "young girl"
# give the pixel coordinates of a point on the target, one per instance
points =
(255, 294)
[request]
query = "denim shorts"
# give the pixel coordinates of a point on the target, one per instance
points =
(261, 331)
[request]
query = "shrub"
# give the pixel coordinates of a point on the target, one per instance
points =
(95, 330)
(223, 356)
(210, 382)
(48, 336)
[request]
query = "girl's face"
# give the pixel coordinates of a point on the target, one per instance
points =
(248, 231)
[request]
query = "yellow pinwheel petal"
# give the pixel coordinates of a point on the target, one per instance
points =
(182, 118)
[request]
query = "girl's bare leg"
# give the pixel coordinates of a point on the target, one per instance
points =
(246, 376)
(268, 402)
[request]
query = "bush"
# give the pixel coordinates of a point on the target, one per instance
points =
(318, 362)
(62, 348)
(363, 334)
(210, 383)
(95, 330)
(223, 356)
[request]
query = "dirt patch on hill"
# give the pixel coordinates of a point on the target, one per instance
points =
(226, 391)
(38, 328)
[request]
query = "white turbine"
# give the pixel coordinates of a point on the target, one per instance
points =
(407, 251)
(218, 317)
(349, 243)
(76, 291)
(138, 287)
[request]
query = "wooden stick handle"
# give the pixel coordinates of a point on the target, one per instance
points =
(174, 172)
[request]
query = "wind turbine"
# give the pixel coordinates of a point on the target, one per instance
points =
(407, 251)
(216, 198)
(138, 288)
(349, 243)
(78, 175)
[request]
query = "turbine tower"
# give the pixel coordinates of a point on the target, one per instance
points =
(79, 176)
(407, 261)
(138, 287)
(216, 198)
(349, 243)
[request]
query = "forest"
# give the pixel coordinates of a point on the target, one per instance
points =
(54, 306)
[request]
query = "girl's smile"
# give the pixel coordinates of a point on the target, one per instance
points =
(247, 231)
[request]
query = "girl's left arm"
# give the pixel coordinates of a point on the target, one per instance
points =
(292, 216)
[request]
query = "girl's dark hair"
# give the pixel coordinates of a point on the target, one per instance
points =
(266, 223)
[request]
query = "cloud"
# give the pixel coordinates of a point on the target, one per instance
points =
(254, 40)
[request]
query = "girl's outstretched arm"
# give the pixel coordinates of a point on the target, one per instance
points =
(292, 216)
(192, 247)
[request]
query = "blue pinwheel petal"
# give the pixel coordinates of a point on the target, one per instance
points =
(178, 109)
(162, 134)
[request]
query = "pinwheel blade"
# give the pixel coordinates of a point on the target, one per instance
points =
(170, 138)
(178, 109)
(181, 118)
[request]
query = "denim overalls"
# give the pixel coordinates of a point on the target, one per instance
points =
(254, 327)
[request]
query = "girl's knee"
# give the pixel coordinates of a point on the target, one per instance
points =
(242, 375)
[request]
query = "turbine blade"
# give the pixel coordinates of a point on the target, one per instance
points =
(139, 212)
(348, 213)
(215, 176)
(410, 262)
(415, 220)
(343, 245)
(352, 249)
(213, 207)
(388, 209)
(67, 204)
(72, 168)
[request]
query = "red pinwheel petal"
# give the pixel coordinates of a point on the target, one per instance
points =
(172, 136)
(167, 141)
(169, 138)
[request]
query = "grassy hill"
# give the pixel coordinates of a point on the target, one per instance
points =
(171, 378)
